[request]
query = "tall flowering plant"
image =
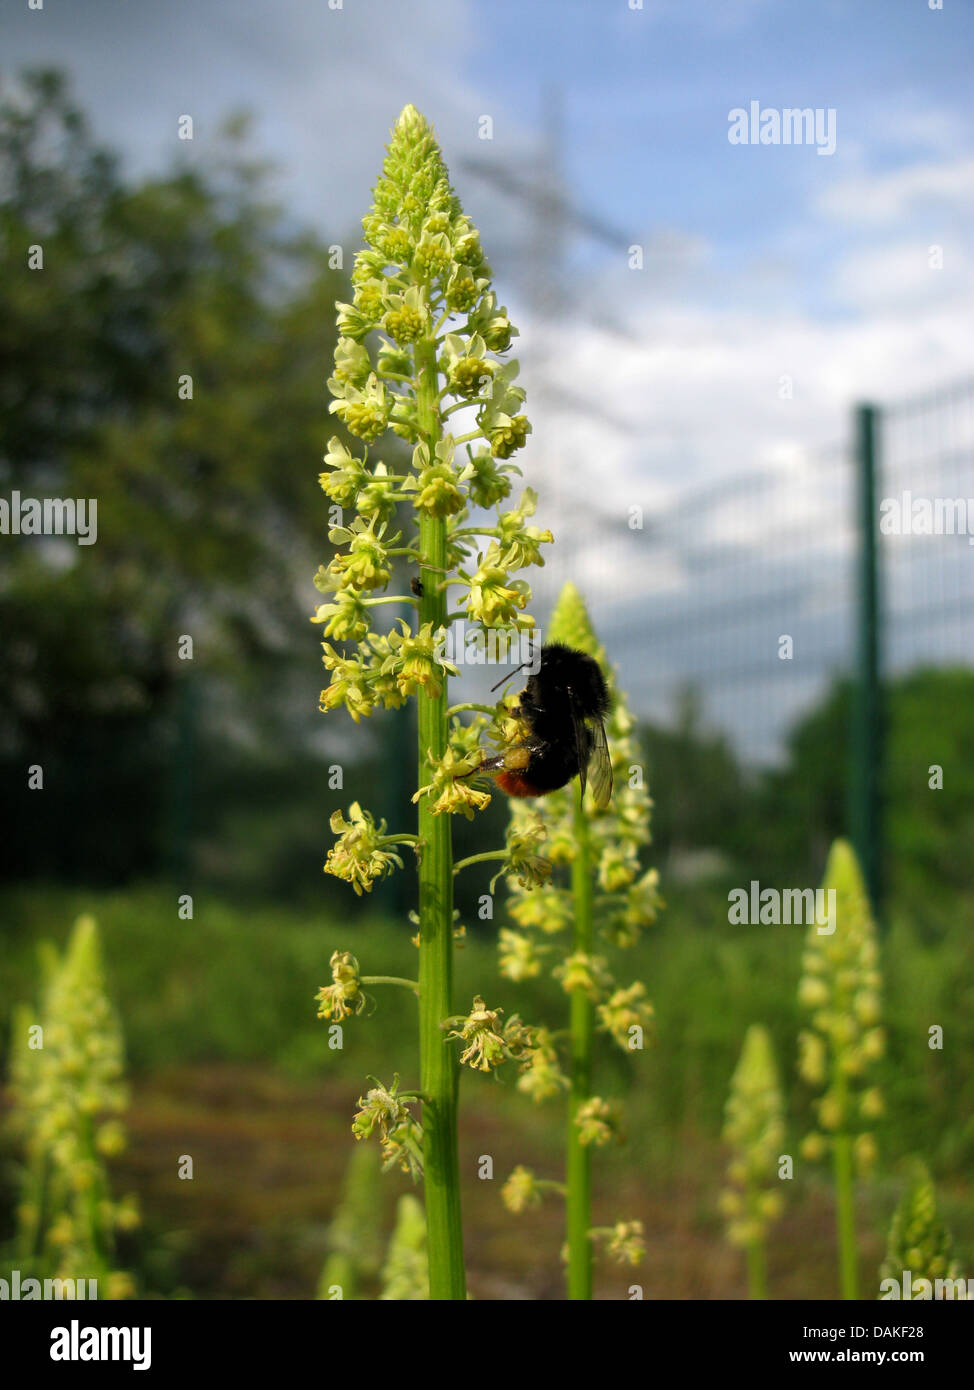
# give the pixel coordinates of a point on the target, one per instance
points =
(598, 898)
(754, 1130)
(920, 1250)
(68, 1096)
(422, 354)
(843, 1042)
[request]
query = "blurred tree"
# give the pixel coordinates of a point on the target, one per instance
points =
(778, 826)
(929, 828)
(700, 798)
(205, 518)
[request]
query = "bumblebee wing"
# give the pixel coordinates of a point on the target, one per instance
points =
(581, 744)
(600, 766)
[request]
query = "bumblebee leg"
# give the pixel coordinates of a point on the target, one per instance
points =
(516, 759)
(513, 760)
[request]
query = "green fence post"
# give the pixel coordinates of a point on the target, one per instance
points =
(865, 786)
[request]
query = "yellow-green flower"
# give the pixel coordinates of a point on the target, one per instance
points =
(489, 483)
(494, 598)
(111, 1138)
(812, 1058)
(521, 1190)
(541, 1076)
(347, 477)
(350, 685)
(582, 971)
(840, 989)
(380, 1109)
(365, 410)
(449, 790)
(407, 317)
(438, 493)
(510, 433)
(920, 1242)
(352, 363)
(416, 660)
(625, 1243)
(360, 855)
(485, 1045)
(524, 863)
(520, 956)
(67, 1100)
(549, 912)
(347, 619)
(366, 564)
(520, 545)
(625, 1010)
(344, 996)
(754, 1129)
(598, 1122)
(618, 867)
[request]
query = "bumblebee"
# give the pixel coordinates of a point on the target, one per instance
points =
(563, 708)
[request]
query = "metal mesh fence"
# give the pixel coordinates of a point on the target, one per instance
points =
(731, 571)
(927, 580)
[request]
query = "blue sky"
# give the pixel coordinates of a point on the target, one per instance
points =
(646, 95)
(651, 92)
(768, 262)
(646, 92)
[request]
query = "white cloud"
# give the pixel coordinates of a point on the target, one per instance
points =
(888, 197)
(885, 280)
(699, 390)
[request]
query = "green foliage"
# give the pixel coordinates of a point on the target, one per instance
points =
(237, 990)
(930, 832)
(706, 803)
(777, 826)
(202, 525)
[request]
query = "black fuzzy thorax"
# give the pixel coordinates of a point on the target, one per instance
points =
(566, 675)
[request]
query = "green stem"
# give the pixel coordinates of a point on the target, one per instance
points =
(845, 1215)
(487, 855)
(29, 1236)
(438, 1062)
(757, 1271)
(578, 1171)
(463, 405)
(548, 1185)
(390, 980)
(97, 1232)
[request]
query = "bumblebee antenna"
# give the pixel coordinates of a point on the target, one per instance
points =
(508, 677)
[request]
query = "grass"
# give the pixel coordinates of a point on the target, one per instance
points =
(230, 1063)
